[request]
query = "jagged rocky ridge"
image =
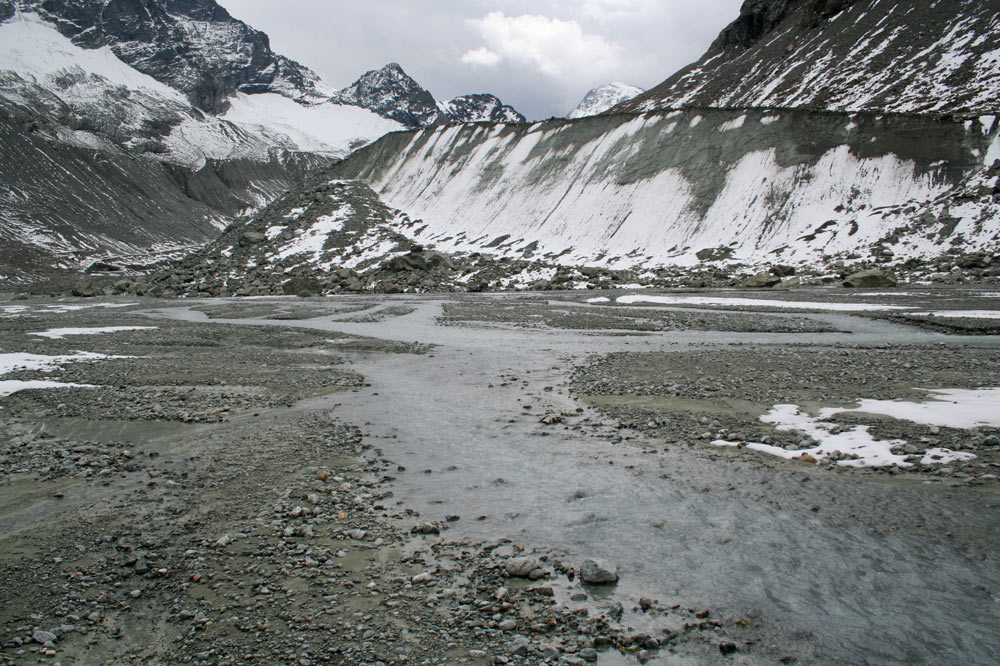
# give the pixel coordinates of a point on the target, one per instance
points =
(479, 107)
(846, 55)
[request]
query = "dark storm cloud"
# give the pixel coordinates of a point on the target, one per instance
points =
(541, 57)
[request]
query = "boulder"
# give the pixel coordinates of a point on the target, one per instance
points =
(593, 572)
(299, 285)
(407, 262)
(871, 279)
(84, 289)
(252, 238)
(524, 567)
(714, 253)
(762, 280)
(790, 283)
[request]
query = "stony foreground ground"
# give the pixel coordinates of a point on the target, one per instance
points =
(210, 496)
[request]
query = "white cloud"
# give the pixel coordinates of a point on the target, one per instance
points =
(552, 46)
(482, 56)
(608, 9)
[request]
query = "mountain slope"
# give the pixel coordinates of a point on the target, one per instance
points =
(660, 188)
(600, 99)
(846, 55)
(92, 101)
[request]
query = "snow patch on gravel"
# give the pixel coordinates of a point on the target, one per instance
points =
(960, 314)
(19, 361)
(9, 386)
(950, 408)
(757, 302)
(60, 333)
(851, 441)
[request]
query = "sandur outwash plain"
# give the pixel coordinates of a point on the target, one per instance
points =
(297, 375)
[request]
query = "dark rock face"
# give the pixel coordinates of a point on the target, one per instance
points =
(759, 17)
(391, 93)
(194, 46)
(481, 107)
(845, 55)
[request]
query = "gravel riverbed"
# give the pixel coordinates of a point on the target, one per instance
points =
(258, 481)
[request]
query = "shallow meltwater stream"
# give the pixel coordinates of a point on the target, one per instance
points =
(818, 558)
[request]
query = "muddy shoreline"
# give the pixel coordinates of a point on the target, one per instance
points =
(347, 480)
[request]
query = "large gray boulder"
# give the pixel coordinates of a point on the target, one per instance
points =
(84, 289)
(525, 567)
(762, 280)
(871, 279)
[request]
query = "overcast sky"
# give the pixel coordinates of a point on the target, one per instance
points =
(540, 56)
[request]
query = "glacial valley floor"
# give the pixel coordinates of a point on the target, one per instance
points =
(419, 479)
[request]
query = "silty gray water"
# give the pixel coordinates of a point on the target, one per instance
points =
(733, 536)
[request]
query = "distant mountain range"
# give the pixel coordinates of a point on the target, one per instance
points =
(814, 133)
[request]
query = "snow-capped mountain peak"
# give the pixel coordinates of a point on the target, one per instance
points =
(392, 93)
(480, 107)
(603, 98)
